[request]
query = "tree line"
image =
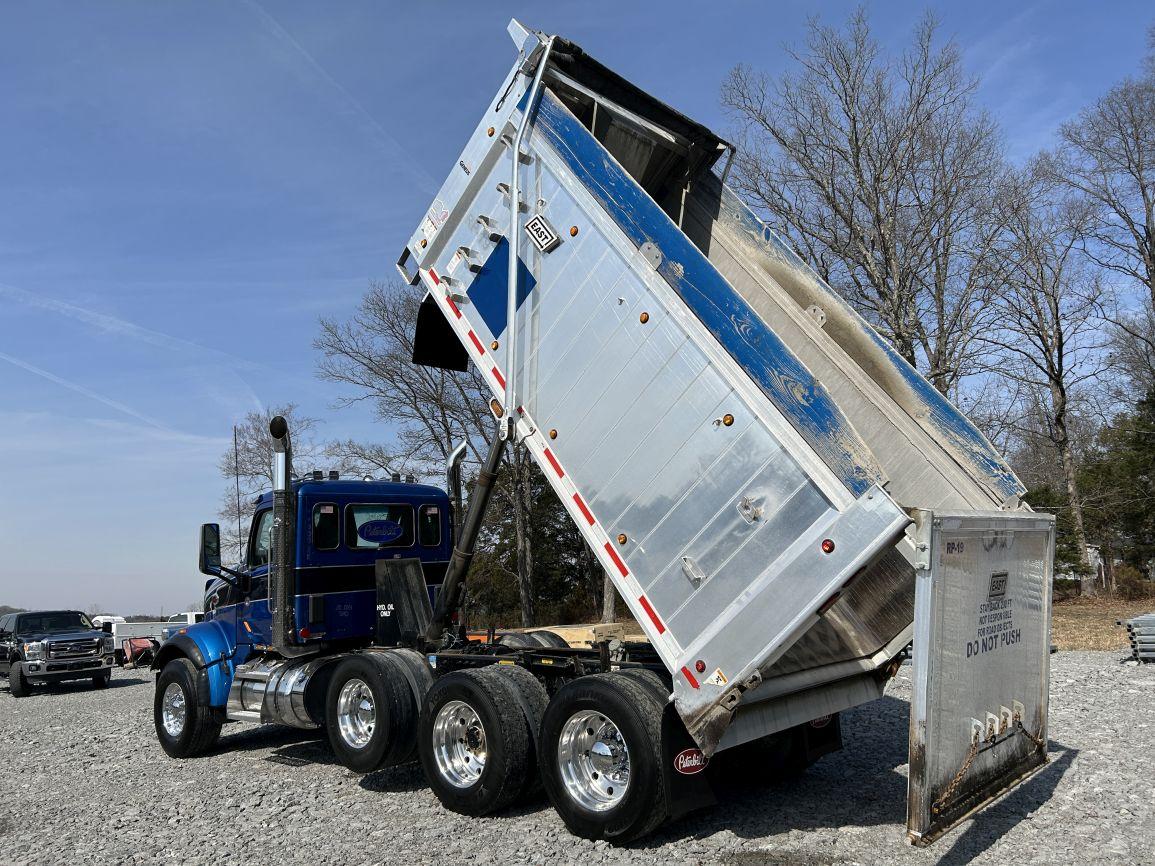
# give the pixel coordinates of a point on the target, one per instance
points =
(1024, 291)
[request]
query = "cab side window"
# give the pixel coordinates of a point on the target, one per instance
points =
(429, 525)
(261, 541)
(326, 526)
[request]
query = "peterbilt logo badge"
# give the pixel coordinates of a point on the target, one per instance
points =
(820, 722)
(690, 761)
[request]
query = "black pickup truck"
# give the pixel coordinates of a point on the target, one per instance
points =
(50, 646)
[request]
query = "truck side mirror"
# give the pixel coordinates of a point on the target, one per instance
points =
(209, 559)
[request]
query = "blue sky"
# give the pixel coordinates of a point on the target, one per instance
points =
(186, 187)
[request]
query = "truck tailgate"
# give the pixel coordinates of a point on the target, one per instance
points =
(981, 665)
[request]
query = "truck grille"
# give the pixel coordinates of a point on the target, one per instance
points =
(74, 649)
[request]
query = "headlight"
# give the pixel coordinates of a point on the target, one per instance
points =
(34, 651)
(106, 644)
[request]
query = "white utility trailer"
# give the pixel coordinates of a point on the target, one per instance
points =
(783, 501)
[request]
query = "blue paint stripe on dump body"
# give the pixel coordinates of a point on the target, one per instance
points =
(962, 439)
(489, 291)
(758, 350)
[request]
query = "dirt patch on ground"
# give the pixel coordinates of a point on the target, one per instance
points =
(1089, 623)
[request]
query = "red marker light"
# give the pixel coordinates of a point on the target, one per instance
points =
(827, 545)
(700, 666)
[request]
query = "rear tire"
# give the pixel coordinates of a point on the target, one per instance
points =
(533, 699)
(18, 684)
(184, 728)
(370, 713)
(474, 742)
(549, 639)
(101, 680)
(518, 640)
(600, 755)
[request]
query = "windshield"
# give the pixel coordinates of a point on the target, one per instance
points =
(57, 620)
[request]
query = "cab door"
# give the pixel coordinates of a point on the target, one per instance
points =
(253, 620)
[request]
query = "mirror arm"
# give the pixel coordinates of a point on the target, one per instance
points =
(232, 578)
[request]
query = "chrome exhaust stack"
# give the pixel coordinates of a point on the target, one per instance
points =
(453, 486)
(282, 576)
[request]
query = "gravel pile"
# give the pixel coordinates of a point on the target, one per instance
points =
(82, 780)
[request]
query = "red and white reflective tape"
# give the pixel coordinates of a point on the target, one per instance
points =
(581, 504)
(553, 462)
(654, 618)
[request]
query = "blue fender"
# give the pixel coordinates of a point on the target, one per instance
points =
(209, 646)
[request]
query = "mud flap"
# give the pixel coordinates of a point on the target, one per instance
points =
(403, 610)
(978, 715)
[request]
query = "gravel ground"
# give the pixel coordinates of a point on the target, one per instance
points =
(83, 781)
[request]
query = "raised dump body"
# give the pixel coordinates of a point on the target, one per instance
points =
(742, 451)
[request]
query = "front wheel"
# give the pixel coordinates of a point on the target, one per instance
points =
(185, 729)
(18, 683)
(100, 681)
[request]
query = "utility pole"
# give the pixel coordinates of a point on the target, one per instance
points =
(237, 479)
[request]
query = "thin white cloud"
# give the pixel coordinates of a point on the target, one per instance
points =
(392, 147)
(87, 392)
(118, 327)
(114, 325)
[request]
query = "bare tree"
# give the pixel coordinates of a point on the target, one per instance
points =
(249, 467)
(609, 598)
(1050, 335)
(1133, 354)
(1107, 156)
(884, 173)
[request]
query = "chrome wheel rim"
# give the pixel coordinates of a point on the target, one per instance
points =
(356, 714)
(459, 744)
(594, 761)
(173, 710)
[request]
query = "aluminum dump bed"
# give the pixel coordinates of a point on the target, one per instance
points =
(740, 449)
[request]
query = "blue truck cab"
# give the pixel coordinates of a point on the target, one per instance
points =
(343, 527)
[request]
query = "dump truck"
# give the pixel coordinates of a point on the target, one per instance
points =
(783, 502)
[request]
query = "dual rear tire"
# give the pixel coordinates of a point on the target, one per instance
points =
(601, 755)
(489, 735)
(477, 735)
(371, 706)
